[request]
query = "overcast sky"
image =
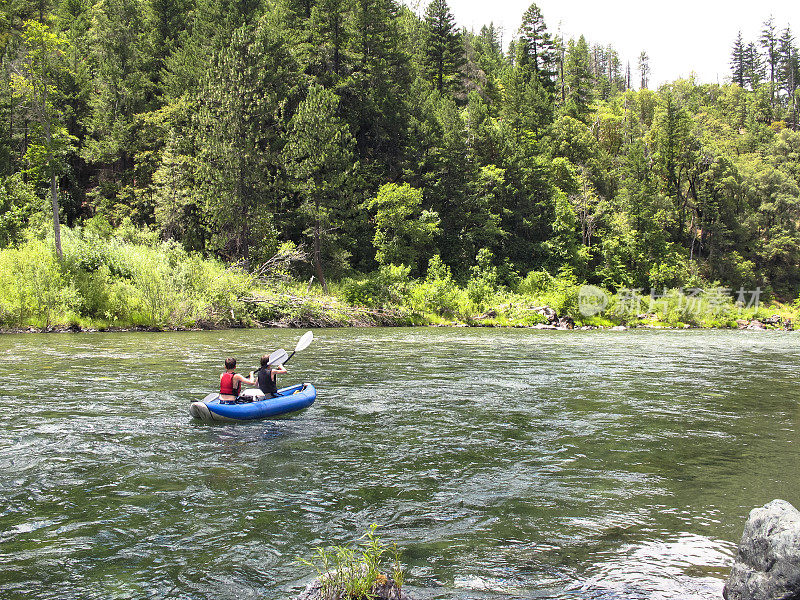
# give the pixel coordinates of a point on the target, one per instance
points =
(680, 36)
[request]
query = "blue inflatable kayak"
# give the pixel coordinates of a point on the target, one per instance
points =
(289, 400)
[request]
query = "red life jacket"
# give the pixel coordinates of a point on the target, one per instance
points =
(226, 385)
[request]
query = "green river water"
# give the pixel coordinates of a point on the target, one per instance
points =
(504, 463)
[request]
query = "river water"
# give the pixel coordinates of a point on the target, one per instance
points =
(504, 463)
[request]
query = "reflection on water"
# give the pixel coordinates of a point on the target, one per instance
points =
(506, 463)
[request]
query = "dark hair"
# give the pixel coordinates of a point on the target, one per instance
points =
(265, 360)
(230, 363)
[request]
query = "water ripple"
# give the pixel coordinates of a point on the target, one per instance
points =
(506, 464)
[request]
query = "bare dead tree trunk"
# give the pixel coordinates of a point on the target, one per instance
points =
(53, 185)
(318, 253)
(56, 221)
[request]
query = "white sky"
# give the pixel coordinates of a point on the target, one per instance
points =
(680, 36)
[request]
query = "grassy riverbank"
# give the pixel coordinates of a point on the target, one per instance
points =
(132, 280)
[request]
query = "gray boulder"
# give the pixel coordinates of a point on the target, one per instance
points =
(767, 565)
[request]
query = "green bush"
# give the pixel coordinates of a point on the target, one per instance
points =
(535, 283)
(482, 287)
(346, 572)
(18, 202)
(34, 288)
(387, 286)
(438, 294)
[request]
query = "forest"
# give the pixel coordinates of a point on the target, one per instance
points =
(212, 146)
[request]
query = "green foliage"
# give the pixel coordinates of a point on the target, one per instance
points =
(443, 49)
(483, 285)
(403, 230)
(346, 572)
(390, 285)
(559, 293)
(239, 118)
(318, 156)
(35, 290)
(17, 204)
(231, 128)
(438, 294)
(114, 282)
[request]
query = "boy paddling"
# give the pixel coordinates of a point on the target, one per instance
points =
(267, 380)
(230, 382)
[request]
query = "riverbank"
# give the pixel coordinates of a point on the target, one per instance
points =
(362, 317)
(130, 282)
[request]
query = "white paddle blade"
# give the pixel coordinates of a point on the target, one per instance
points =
(278, 358)
(305, 341)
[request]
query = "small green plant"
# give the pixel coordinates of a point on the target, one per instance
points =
(355, 573)
(398, 575)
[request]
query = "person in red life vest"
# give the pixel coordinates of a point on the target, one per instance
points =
(230, 382)
(267, 380)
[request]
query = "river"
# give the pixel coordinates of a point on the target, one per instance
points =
(504, 463)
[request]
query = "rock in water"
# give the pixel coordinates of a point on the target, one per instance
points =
(767, 565)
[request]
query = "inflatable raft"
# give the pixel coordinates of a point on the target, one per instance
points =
(289, 400)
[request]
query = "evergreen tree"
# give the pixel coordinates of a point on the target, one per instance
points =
(489, 51)
(239, 134)
(374, 95)
(644, 70)
(318, 157)
(527, 106)
(444, 48)
(753, 67)
(579, 80)
(329, 36)
(535, 47)
(122, 89)
(769, 42)
(674, 152)
(738, 61)
(788, 71)
(177, 213)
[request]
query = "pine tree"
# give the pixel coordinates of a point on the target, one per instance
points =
(239, 134)
(561, 61)
(753, 67)
(535, 47)
(444, 48)
(788, 68)
(579, 80)
(769, 42)
(374, 93)
(738, 60)
(318, 156)
(329, 36)
(644, 70)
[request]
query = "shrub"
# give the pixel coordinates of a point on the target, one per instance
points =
(346, 572)
(34, 289)
(483, 284)
(535, 283)
(438, 294)
(389, 285)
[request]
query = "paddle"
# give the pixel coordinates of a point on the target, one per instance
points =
(281, 357)
(303, 343)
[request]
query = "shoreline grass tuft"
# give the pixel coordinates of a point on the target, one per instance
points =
(356, 573)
